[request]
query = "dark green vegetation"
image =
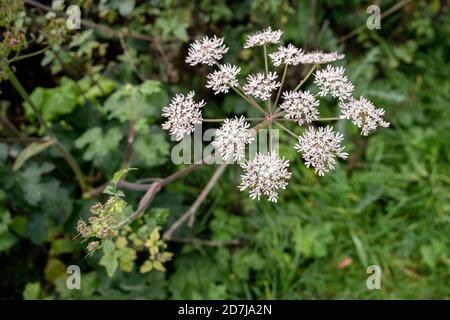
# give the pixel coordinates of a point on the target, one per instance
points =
(388, 204)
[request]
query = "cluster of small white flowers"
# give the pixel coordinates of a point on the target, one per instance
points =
(363, 114)
(232, 137)
(223, 79)
(320, 147)
(319, 57)
(289, 55)
(301, 106)
(182, 114)
(333, 81)
(263, 37)
(264, 175)
(206, 51)
(260, 86)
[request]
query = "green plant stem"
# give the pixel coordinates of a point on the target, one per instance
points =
(306, 77)
(253, 103)
(266, 68)
(286, 129)
(29, 55)
(281, 87)
(328, 119)
(58, 145)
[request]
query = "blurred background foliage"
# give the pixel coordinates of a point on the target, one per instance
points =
(388, 205)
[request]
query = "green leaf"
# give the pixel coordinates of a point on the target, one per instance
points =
(61, 246)
(110, 262)
(32, 291)
(121, 173)
(54, 102)
(7, 240)
(97, 143)
(126, 7)
(360, 249)
(31, 150)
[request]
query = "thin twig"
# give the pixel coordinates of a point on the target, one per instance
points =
(191, 211)
(154, 188)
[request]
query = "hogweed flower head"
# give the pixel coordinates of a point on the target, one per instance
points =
(332, 81)
(363, 114)
(319, 57)
(182, 114)
(289, 55)
(223, 79)
(320, 147)
(300, 106)
(206, 51)
(261, 86)
(232, 137)
(264, 37)
(265, 175)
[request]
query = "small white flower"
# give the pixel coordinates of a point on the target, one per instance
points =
(232, 137)
(260, 86)
(264, 175)
(333, 81)
(206, 51)
(223, 79)
(363, 114)
(318, 57)
(263, 37)
(320, 148)
(182, 114)
(289, 55)
(301, 106)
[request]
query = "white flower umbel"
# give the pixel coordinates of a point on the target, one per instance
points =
(332, 81)
(363, 114)
(300, 106)
(182, 114)
(320, 147)
(232, 137)
(265, 175)
(223, 79)
(266, 36)
(260, 86)
(319, 57)
(206, 51)
(289, 55)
